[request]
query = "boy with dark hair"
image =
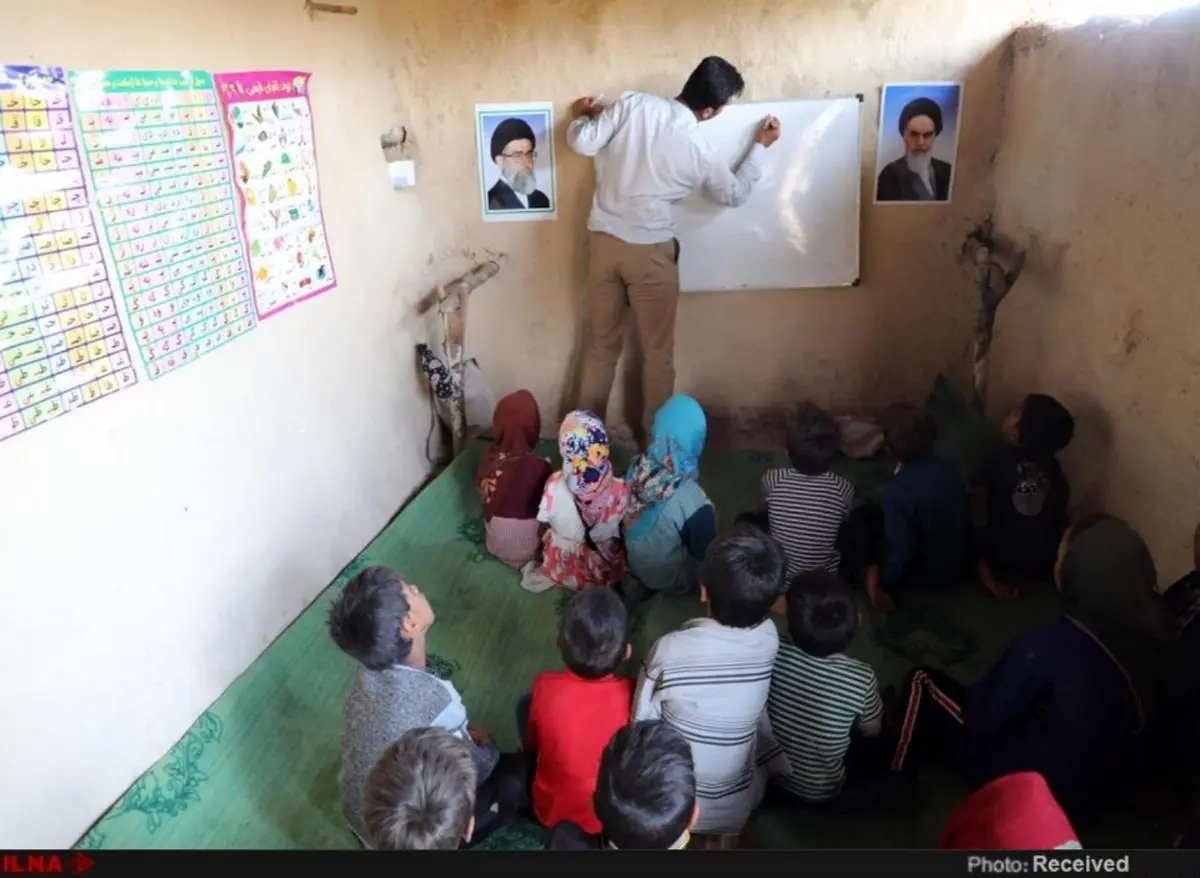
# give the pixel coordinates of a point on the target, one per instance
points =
(925, 520)
(645, 793)
(819, 695)
(1025, 494)
(709, 679)
(569, 715)
(381, 622)
(420, 796)
(806, 504)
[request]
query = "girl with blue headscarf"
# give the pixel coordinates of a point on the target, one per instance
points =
(670, 521)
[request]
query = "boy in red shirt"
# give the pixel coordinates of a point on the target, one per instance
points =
(567, 719)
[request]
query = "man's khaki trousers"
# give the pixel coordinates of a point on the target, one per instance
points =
(620, 277)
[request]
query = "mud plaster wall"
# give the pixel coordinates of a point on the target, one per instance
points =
(164, 537)
(910, 318)
(1098, 171)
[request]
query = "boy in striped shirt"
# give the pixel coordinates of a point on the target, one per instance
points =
(820, 697)
(806, 503)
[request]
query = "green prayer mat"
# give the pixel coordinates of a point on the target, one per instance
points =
(259, 768)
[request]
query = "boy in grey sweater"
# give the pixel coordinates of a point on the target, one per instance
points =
(381, 621)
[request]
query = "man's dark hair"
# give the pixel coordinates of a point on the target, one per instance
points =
(921, 107)
(646, 788)
(909, 432)
(743, 574)
(420, 796)
(821, 616)
(714, 83)
(508, 131)
(595, 630)
(812, 439)
(1046, 427)
(366, 619)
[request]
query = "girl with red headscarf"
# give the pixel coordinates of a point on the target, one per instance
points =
(511, 477)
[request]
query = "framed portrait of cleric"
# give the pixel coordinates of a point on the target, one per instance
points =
(516, 161)
(918, 142)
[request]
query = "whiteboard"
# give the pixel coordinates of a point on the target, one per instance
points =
(800, 226)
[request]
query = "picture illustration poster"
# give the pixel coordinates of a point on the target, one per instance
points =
(156, 155)
(918, 142)
(269, 119)
(517, 177)
(62, 343)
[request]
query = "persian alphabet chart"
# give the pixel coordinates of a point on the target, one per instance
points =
(61, 339)
(271, 135)
(160, 172)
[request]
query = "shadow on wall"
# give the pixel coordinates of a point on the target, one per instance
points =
(1098, 168)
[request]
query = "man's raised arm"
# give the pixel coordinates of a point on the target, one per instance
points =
(732, 188)
(593, 126)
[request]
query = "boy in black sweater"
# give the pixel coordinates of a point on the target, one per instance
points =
(1025, 494)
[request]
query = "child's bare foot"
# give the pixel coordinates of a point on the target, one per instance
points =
(998, 589)
(881, 601)
(1002, 591)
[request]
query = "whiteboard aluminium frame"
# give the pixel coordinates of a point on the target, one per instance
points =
(858, 239)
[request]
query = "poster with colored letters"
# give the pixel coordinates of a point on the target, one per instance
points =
(157, 158)
(270, 125)
(62, 344)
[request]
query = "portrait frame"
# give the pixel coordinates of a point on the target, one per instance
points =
(498, 201)
(890, 150)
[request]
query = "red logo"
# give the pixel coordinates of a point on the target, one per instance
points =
(45, 864)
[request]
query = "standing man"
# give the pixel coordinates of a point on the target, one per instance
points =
(647, 158)
(917, 175)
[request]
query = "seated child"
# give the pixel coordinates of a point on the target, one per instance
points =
(670, 521)
(806, 504)
(709, 679)
(645, 793)
(511, 478)
(819, 695)
(922, 533)
(1025, 495)
(420, 796)
(570, 715)
(1069, 699)
(381, 622)
(583, 505)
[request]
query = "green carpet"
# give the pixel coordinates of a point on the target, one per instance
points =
(259, 768)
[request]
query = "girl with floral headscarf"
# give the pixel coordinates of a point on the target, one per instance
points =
(582, 506)
(671, 521)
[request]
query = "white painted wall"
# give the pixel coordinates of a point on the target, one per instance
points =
(152, 544)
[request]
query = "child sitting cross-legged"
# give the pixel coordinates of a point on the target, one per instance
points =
(670, 521)
(569, 716)
(1026, 495)
(582, 506)
(824, 706)
(710, 679)
(511, 477)
(921, 535)
(420, 796)
(645, 793)
(805, 505)
(381, 622)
